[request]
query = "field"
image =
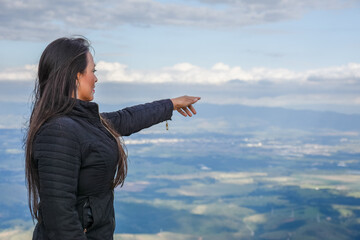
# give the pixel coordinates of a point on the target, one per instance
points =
(212, 181)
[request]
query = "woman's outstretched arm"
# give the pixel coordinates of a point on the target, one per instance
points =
(133, 119)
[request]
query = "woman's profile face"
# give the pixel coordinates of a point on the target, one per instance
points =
(86, 81)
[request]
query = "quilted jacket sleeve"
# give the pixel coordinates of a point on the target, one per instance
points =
(133, 119)
(57, 154)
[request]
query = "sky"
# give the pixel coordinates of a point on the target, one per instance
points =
(297, 54)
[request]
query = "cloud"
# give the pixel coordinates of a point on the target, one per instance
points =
(157, 236)
(301, 99)
(14, 151)
(137, 186)
(349, 73)
(11, 121)
(220, 73)
(220, 176)
(153, 141)
(39, 19)
(28, 72)
(333, 88)
(16, 233)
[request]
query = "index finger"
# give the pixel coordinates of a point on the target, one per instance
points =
(195, 99)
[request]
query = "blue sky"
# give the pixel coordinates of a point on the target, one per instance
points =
(298, 54)
(317, 39)
(313, 37)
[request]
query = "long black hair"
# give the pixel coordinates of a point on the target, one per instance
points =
(55, 95)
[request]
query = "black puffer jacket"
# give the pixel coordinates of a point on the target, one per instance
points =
(76, 158)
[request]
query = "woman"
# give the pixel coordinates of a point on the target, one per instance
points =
(74, 155)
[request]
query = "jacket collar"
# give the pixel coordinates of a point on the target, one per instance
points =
(85, 109)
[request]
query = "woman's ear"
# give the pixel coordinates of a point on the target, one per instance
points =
(78, 76)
